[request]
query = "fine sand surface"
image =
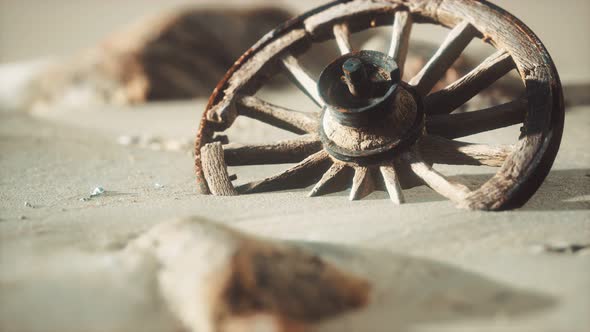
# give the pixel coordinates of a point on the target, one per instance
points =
(433, 267)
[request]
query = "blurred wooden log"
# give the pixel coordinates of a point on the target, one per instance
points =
(217, 279)
(176, 55)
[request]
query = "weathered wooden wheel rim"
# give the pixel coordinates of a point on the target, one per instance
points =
(521, 173)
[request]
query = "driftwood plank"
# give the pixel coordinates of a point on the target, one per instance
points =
(215, 170)
(458, 93)
(342, 35)
(301, 175)
(400, 38)
(469, 123)
(445, 56)
(250, 282)
(280, 117)
(439, 150)
(282, 152)
(392, 184)
(302, 78)
(455, 192)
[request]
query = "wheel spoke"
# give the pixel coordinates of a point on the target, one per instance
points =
(400, 38)
(282, 152)
(302, 78)
(299, 176)
(445, 56)
(469, 123)
(439, 150)
(456, 192)
(280, 117)
(392, 184)
(329, 179)
(342, 35)
(215, 170)
(362, 183)
(450, 98)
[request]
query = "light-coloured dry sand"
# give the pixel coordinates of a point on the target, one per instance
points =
(434, 267)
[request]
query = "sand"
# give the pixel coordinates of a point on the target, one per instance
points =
(435, 267)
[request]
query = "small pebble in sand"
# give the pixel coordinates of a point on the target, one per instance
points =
(27, 204)
(97, 191)
(128, 140)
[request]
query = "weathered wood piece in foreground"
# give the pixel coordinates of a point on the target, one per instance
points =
(216, 279)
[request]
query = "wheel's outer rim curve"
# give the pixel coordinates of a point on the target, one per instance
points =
(525, 170)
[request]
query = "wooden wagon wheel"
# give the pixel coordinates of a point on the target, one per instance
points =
(372, 129)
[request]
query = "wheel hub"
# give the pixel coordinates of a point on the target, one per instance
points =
(369, 112)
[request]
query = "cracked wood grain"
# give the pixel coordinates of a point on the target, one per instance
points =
(215, 170)
(277, 116)
(282, 152)
(445, 56)
(458, 93)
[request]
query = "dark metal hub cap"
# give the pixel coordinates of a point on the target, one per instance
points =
(369, 112)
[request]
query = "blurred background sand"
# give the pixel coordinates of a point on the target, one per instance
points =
(31, 29)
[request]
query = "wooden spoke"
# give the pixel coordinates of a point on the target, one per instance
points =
(215, 170)
(282, 152)
(342, 35)
(302, 78)
(329, 179)
(362, 183)
(280, 117)
(469, 123)
(450, 98)
(441, 61)
(392, 184)
(299, 176)
(400, 38)
(439, 150)
(456, 192)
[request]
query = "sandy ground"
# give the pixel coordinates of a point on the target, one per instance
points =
(435, 267)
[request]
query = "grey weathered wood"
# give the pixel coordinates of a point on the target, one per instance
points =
(470, 123)
(215, 170)
(281, 152)
(342, 35)
(439, 150)
(392, 184)
(362, 183)
(458, 93)
(280, 117)
(400, 39)
(445, 56)
(327, 179)
(455, 192)
(301, 175)
(302, 78)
